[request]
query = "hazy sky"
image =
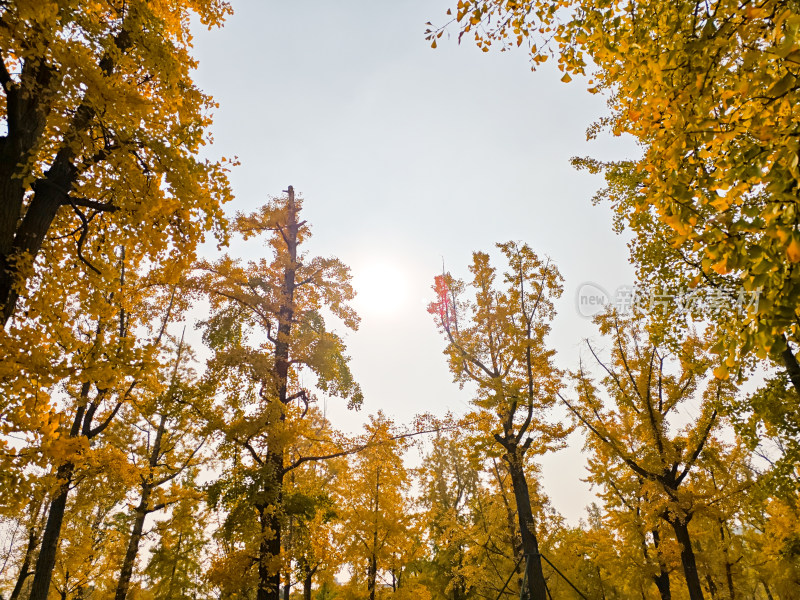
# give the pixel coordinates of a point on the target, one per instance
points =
(408, 156)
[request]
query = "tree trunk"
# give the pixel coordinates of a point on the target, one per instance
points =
(791, 364)
(143, 509)
(662, 579)
(767, 590)
(728, 565)
(51, 537)
(270, 579)
(46, 561)
(307, 581)
(537, 588)
(27, 108)
(33, 543)
(681, 529)
(372, 575)
(51, 191)
(712, 587)
(135, 538)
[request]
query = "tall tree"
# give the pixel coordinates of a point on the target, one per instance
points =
(710, 91)
(114, 349)
(448, 478)
(639, 539)
(176, 566)
(101, 124)
(375, 507)
(266, 328)
(497, 342)
(167, 447)
(310, 505)
(635, 427)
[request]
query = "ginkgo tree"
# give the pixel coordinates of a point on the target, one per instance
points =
(495, 333)
(93, 365)
(167, 444)
(710, 90)
(448, 479)
(377, 527)
(310, 511)
(266, 329)
(637, 428)
(101, 125)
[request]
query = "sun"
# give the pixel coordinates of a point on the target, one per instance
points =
(381, 288)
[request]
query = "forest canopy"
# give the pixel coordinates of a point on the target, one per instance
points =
(164, 393)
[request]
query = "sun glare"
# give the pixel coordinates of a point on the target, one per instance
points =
(381, 289)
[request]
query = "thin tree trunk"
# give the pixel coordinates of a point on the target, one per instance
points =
(372, 573)
(729, 579)
(766, 589)
(681, 530)
(712, 587)
(175, 566)
(135, 538)
(791, 364)
(728, 565)
(143, 509)
(662, 578)
(46, 561)
(307, 581)
(537, 588)
(33, 543)
(287, 587)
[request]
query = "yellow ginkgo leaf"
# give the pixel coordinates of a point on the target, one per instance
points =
(721, 267)
(793, 250)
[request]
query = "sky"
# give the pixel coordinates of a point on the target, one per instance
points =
(408, 159)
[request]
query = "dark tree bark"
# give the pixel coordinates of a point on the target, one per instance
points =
(308, 579)
(728, 564)
(46, 561)
(372, 571)
(307, 586)
(791, 364)
(34, 532)
(140, 514)
(537, 588)
(270, 579)
(52, 535)
(372, 574)
(681, 529)
(662, 578)
(28, 105)
(767, 590)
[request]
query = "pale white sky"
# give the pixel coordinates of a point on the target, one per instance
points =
(406, 156)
